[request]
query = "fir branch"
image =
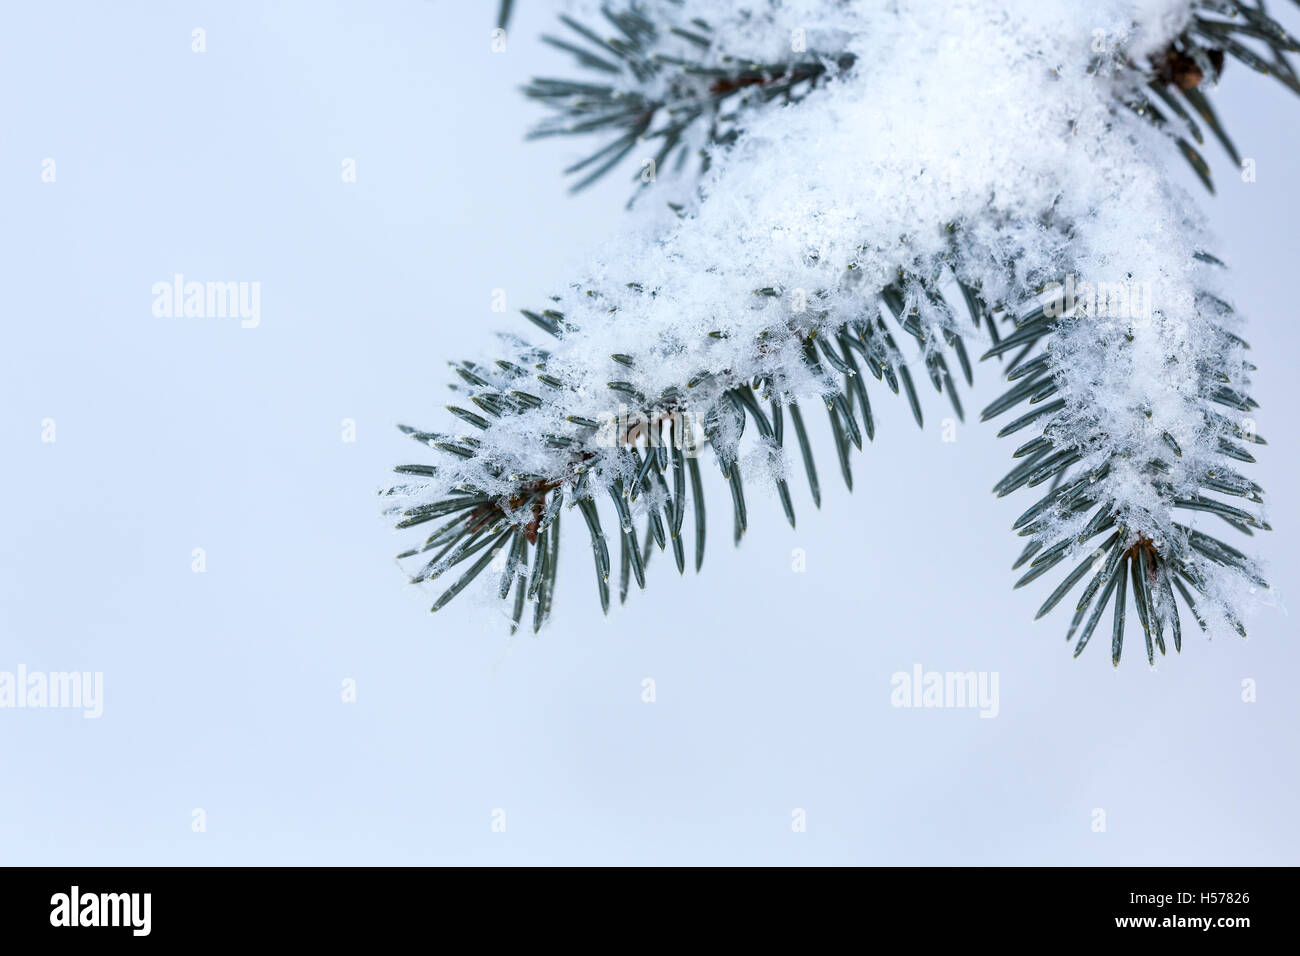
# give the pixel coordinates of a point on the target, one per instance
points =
(1109, 511)
(1180, 77)
(1080, 506)
(662, 84)
(656, 443)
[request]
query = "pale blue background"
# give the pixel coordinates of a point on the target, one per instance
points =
(223, 689)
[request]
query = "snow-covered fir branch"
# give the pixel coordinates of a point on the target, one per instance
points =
(964, 176)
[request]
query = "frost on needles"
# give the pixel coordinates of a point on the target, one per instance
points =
(888, 189)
